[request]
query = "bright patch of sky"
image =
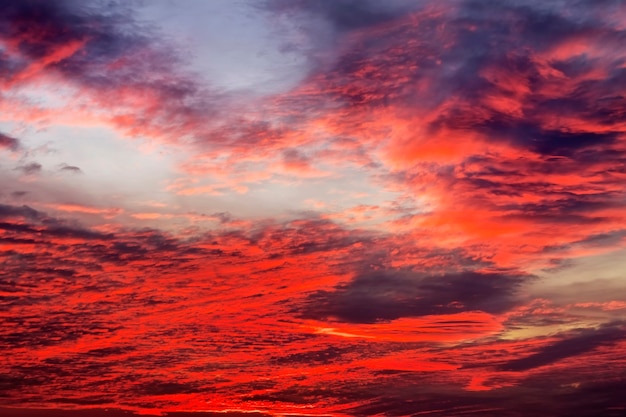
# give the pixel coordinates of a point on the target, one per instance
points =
(232, 45)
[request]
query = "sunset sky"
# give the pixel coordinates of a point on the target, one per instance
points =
(312, 208)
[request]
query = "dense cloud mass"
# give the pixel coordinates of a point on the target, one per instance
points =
(8, 142)
(428, 221)
(387, 296)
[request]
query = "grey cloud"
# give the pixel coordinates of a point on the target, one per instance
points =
(111, 34)
(18, 194)
(388, 295)
(9, 142)
(346, 15)
(572, 345)
(71, 168)
(322, 356)
(20, 211)
(482, 35)
(30, 168)
(166, 388)
(294, 156)
(20, 411)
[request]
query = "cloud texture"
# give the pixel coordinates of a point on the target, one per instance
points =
(429, 221)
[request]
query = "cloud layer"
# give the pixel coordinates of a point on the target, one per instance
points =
(430, 222)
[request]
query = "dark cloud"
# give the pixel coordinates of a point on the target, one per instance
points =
(490, 58)
(346, 15)
(323, 356)
(388, 295)
(432, 404)
(593, 400)
(309, 235)
(302, 394)
(30, 168)
(544, 141)
(50, 228)
(110, 351)
(75, 254)
(21, 211)
(94, 412)
(42, 27)
(166, 388)
(610, 239)
(573, 345)
(70, 168)
(218, 414)
(88, 400)
(397, 397)
(573, 209)
(324, 26)
(293, 156)
(9, 142)
(112, 49)
(41, 226)
(57, 328)
(528, 29)
(533, 397)
(223, 217)
(18, 194)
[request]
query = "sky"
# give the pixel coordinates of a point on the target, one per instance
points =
(312, 208)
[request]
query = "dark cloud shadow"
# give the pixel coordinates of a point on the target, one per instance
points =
(9, 142)
(30, 168)
(392, 294)
(572, 345)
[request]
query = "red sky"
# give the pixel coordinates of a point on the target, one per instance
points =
(313, 207)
